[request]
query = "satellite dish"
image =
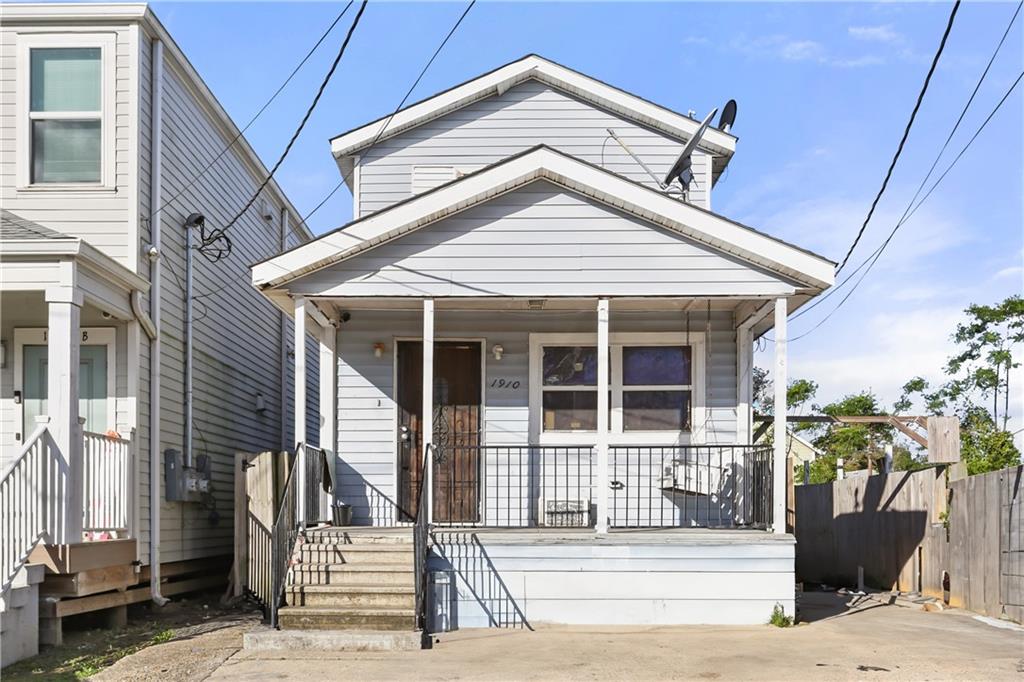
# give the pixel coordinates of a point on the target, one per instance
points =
(728, 116)
(681, 168)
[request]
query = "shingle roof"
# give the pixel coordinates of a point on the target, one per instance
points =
(15, 227)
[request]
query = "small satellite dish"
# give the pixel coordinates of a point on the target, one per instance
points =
(681, 168)
(728, 116)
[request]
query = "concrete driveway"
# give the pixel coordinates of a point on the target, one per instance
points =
(862, 641)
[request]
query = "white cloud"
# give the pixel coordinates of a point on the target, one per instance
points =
(876, 34)
(787, 48)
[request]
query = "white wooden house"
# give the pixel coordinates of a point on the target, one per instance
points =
(105, 128)
(588, 339)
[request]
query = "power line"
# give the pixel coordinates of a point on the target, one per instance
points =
(220, 233)
(259, 113)
(401, 104)
(935, 163)
(906, 133)
(878, 252)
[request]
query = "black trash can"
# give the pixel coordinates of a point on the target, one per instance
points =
(341, 514)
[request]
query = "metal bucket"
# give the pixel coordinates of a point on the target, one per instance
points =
(341, 514)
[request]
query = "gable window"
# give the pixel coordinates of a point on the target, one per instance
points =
(66, 110)
(655, 384)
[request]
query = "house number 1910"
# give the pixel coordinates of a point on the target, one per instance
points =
(511, 384)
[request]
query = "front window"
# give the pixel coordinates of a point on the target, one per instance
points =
(652, 383)
(65, 114)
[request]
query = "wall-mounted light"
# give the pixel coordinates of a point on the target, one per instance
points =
(261, 404)
(378, 349)
(497, 350)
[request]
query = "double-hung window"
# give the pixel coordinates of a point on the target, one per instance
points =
(67, 110)
(655, 383)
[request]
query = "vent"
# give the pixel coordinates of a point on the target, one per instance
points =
(567, 513)
(426, 178)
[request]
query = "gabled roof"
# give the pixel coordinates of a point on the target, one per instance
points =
(810, 272)
(496, 82)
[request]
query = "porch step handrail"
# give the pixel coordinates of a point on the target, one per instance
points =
(291, 520)
(421, 545)
(107, 473)
(29, 503)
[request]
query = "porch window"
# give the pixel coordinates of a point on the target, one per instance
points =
(65, 113)
(654, 383)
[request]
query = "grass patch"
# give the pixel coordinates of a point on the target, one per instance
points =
(779, 618)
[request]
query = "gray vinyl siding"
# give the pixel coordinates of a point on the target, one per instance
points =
(237, 331)
(366, 392)
(540, 240)
(105, 218)
(501, 579)
(500, 126)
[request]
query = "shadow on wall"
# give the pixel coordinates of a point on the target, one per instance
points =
(370, 505)
(877, 522)
(464, 558)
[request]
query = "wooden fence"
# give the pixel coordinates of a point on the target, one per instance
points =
(962, 542)
(259, 481)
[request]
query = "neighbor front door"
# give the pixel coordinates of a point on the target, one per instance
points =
(456, 429)
(92, 387)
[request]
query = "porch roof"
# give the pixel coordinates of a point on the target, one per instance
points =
(809, 272)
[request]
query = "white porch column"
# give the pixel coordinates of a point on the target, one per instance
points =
(601, 446)
(779, 460)
(328, 404)
(63, 340)
(427, 419)
(299, 435)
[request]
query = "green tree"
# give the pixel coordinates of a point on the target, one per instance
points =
(983, 445)
(855, 443)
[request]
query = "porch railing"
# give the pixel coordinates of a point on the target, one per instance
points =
(421, 549)
(513, 486)
(30, 499)
(107, 472)
(290, 520)
(699, 486)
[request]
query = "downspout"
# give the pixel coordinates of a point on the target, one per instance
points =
(156, 200)
(283, 336)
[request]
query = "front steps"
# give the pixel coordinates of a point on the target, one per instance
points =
(352, 579)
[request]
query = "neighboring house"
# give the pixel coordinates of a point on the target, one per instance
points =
(588, 339)
(106, 126)
(798, 448)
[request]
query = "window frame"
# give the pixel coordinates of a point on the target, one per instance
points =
(106, 43)
(698, 410)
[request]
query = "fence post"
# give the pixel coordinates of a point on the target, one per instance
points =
(840, 469)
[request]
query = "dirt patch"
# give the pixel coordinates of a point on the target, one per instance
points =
(196, 625)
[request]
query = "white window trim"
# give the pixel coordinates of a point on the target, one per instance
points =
(699, 413)
(107, 43)
(91, 336)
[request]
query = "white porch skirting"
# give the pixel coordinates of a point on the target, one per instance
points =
(682, 577)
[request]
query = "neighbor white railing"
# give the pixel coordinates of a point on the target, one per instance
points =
(107, 479)
(29, 501)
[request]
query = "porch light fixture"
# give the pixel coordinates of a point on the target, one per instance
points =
(497, 350)
(378, 349)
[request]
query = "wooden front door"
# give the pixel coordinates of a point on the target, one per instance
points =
(456, 420)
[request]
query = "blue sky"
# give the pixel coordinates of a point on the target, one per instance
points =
(824, 90)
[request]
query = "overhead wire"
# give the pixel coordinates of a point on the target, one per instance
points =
(401, 104)
(906, 134)
(935, 163)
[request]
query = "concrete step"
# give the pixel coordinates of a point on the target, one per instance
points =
(268, 639)
(345, 618)
(351, 574)
(355, 535)
(321, 553)
(358, 596)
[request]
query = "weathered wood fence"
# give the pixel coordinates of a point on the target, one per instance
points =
(962, 541)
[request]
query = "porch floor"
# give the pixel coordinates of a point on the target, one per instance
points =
(617, 536)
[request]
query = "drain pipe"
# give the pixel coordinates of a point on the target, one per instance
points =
(191, 223)
(156, 200)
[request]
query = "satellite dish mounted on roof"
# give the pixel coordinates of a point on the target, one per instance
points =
(681, 168)
(728, 116)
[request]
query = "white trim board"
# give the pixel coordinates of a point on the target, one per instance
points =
(805, 269)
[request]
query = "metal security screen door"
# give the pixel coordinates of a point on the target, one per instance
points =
(456, 420)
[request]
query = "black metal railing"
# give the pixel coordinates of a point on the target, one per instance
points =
(421, 549)
(513, 486)
(699, 486)
(291, 520)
